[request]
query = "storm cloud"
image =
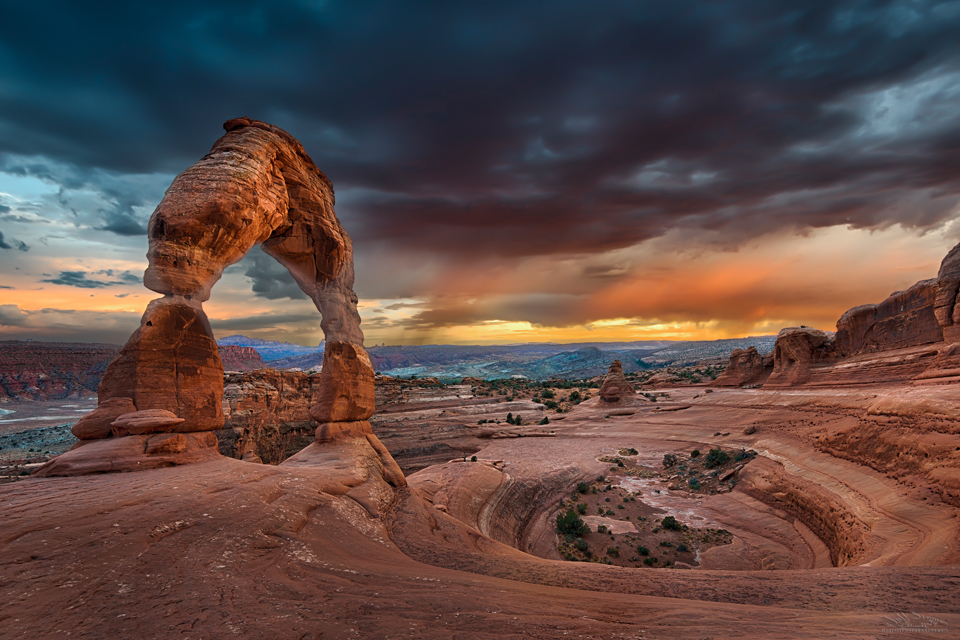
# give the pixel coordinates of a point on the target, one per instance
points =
(456, 134)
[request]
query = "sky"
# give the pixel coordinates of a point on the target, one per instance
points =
(509, 172)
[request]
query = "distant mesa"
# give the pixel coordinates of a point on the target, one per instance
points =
(256, 186)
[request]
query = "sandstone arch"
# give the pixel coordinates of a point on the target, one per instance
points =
(257, 185)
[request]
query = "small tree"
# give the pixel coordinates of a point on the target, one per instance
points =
(715, 458)
(571, 523)
(670, 524)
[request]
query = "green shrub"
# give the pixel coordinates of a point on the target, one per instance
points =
(682, 548)
(669, 460)
(583, 487)
(715, 458)
(670, 524)
(601, 528)
(473, 458)
(581, 544)
(545, 420)
(694, 483)
(571, 523)
(613, 552)
(695, 453)
(650, 561)
(642, 550)
(582, 508)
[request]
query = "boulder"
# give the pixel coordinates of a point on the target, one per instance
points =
(746, 367)
(616, 387)
(148, 421)
(795, 350)
(96, 424)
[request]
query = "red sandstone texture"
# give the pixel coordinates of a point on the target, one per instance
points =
(616, 389)
(256, 186)
(747, 367)
(236, 358)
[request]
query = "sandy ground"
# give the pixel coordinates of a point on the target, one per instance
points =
(233, 549)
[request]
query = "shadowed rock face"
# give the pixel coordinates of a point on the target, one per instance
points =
(746, 367)
(256, 186)
(796, 349)
(904, 319)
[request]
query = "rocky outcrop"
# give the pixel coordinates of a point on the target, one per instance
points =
(267, 414)
(97, 423)
(256, 186)
(236, 358)
(51, 370)
(946, 307)
(904, 319)
(796, 350)
(171, 362)
(747, 367)
(616, 388)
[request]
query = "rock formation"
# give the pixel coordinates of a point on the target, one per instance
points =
(796, 349)
(616, 387)
(747, 367)
(256, 186)
(267, 414)
(236, 358)
(904, 319)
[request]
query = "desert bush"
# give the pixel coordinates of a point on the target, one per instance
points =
(581, 544)
(715, 458)
(650, 561)
(582, 509)
(642, 550)
(682, 548)
(613, 552)
(670, 524)
(695, 453)
(601, 528)
(583, 487)
(571, 523)
(669, 460)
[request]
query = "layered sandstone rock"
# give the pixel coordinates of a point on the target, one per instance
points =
(904, 319)
(796, 349)
(616, 388)
(96, 424)
(256, 186)
(267, 414)
(747, 367)
(946, 309)
(171, 362)
(235, 358)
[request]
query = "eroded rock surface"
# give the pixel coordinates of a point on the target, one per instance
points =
(616, 388)
(747, 367)
(796, 349)
(256, 186)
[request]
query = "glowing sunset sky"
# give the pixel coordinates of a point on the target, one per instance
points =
(509, 172)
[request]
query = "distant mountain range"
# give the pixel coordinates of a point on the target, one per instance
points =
(271, 350)
(532, 360)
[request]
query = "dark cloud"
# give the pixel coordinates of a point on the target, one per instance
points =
(79, 279)
(271, 280)
(504, 129)
(267, 321)
(13, 244)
